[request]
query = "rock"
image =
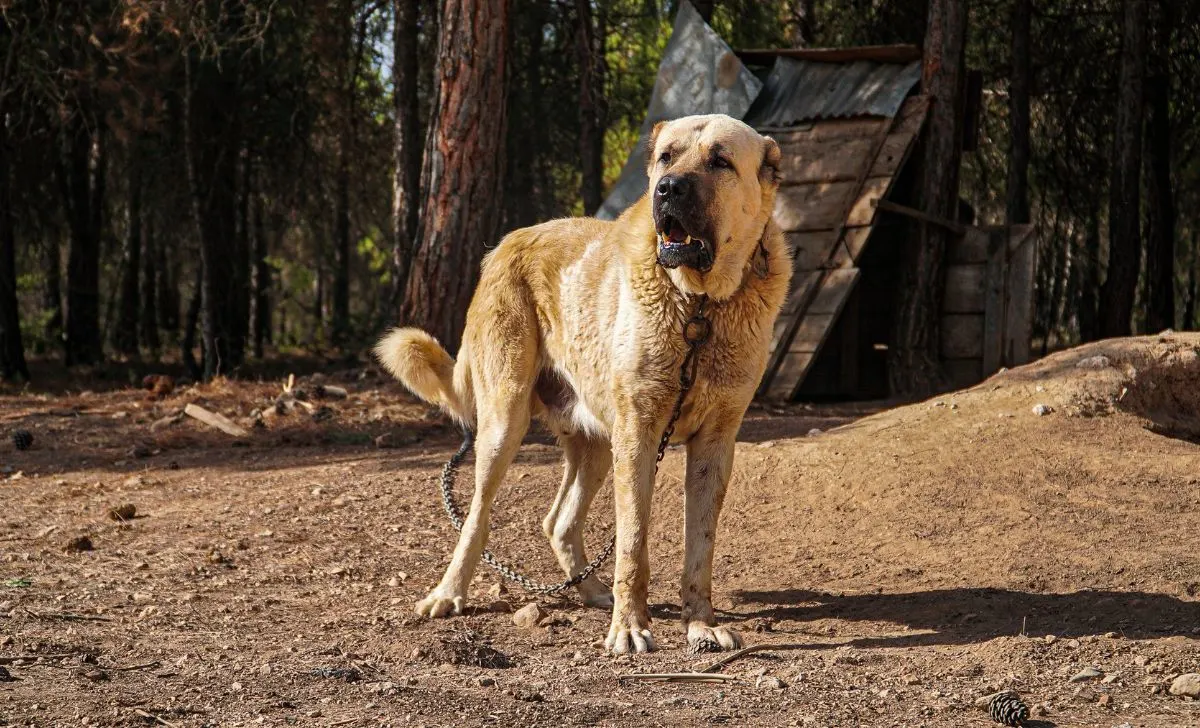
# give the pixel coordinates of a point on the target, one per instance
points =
(141, 597)
(1110, 679)
(79, 544)
(497, 590)
(1105, 700)
(486, 682)
(1073, 644)
(1087, 673)
(1041, 410)
(1187, 685)
(814, 432)
(1050, 639)
(528, 616)
(235, 687)
(1141, 660)
(770, 682)
(1093, 362)
(124, 512)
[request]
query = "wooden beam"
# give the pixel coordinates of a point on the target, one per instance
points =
(889, 206)
(900, 53)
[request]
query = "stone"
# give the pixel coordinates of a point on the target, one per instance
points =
(1087, 673)
(770, 682)
(528, 616)
(1041, 410)
(1187, 685)
(1093, 362)
(486, 682)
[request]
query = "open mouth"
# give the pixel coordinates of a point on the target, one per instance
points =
(676, 246)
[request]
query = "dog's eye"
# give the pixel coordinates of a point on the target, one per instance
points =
(721, 163)
(665, 158)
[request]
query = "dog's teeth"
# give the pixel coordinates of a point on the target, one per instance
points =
(687, 240)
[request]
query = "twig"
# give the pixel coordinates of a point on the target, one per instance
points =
(348, 721)
(143, 666)
(155, 718)
(66, 615)
(748, 650)
(674, 677)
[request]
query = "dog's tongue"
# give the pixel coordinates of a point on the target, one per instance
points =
(677, 234)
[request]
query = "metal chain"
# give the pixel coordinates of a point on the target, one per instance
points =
(696, 331)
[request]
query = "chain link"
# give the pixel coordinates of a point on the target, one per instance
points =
(696, 331)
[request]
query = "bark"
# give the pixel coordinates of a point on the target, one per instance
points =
(213, 131)
(1124, 205)
(406, 176)
(81, 175)
(125, 333)
(1160, 195)
(262, 281)
(12, 348)
(187, 346)
(464, 165)
(804, 20)
(340, 320)
(914, 363)
(52, 291)
(148, 315)
(169, 298)
(1017, 202)
(593, 107)
(1089, 276)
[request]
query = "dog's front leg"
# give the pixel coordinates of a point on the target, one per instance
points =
(634, 440)
(709, 463)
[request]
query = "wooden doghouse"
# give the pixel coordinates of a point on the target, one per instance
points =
(847, 121)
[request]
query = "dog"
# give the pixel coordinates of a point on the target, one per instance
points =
(579, 322)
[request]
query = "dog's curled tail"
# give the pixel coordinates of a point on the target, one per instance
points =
(421, 364)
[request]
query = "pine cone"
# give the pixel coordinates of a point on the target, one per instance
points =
(703, 646)
(23, 439)
(1007, 708)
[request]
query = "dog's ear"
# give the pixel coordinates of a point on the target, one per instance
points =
(769, 171)
(651, 142)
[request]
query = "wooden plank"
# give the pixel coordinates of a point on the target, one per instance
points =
(964, 289)
(970, 248)
(962, 336)
(848, 371)
(810, 250)
(994, 305)
(785, 323)
(213, 419)
(820, 206)
(963, 372)
(833, 294)
(954, 227)
(824, 311)
(898, 53)
(811, 332)
(808, 160)
(1018, 314)
(828, 129)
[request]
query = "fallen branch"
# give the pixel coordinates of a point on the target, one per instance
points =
(750, 650)
(143, 666)
(69, 616)
(155, 718)
(674, 677)
(212, 419)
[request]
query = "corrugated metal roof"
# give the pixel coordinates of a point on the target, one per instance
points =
(799, 91)
(699, 74)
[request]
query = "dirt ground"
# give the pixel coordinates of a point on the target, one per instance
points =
(915, 559)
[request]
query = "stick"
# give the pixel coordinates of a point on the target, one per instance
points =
(212, 419)
(889, 206)
(348, 721)
(66, 615)
(155, 718)
(674, 677)
(748, 650)
(143, 666)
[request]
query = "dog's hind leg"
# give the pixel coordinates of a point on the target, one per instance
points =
(586, 464)
(504, 398)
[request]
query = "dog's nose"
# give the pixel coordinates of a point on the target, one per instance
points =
(672, 186)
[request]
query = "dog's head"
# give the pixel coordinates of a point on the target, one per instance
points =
(712, 190)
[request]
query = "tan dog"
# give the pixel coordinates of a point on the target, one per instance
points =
(580, 322)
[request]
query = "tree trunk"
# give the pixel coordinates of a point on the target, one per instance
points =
(52, 305)
(1124, 209)
(1160, 239)
(1189, 310)
(187, 346)
(169, 297)
(341, 250)
(125, 333)
(12, 349)
(1089, 277)
(81, 174)
(590, 37)
(148, 315)
(464, 165)
(406, 176)
(262, 281)
(804, 21)
(914, 366)
(212, 142)
(1017, 203)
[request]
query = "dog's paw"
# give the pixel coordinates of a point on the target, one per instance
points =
(439, 604)
(595, 594)
(702, 638)
(629, 636)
